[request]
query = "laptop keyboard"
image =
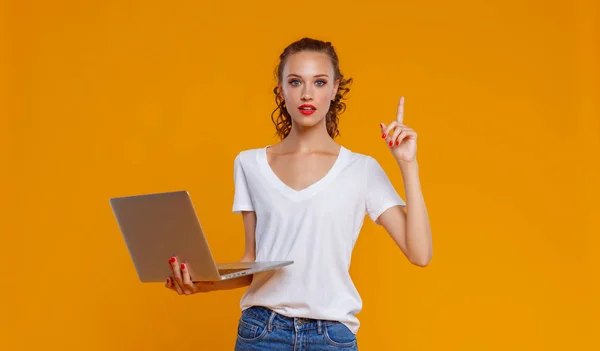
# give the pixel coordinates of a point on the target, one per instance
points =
(225, 271)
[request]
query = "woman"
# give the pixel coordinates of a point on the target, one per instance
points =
(305, 199)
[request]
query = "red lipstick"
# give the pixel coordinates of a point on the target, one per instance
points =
(307, 109)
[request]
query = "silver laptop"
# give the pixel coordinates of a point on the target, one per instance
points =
(158, 226)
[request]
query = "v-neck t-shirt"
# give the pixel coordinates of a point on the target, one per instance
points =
(316, 227)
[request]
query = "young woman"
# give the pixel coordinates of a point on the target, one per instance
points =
(305, 199)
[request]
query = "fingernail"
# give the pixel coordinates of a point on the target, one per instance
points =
(383, 135)
(183, 266)
(381, 125)
(172, 259)
(391, 143)
(397, 143)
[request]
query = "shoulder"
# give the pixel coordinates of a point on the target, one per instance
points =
(365, 164)
(360, 158)
(248, 156)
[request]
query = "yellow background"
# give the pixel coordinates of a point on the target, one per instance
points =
(110, 98)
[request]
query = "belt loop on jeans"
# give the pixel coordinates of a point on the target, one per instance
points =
(270, 322)
(319, 327)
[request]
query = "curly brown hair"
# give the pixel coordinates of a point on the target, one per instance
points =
(280, 116)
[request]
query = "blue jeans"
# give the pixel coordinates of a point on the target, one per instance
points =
(260, 329)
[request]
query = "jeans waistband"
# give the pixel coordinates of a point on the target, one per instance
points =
(272, 319)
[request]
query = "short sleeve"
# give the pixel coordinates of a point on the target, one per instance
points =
(381, 194)
(241, 199)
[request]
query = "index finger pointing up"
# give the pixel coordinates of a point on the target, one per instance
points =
(400, 115)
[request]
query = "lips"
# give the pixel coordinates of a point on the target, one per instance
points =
(306, 109)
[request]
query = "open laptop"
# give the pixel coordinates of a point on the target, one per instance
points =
(158, 226)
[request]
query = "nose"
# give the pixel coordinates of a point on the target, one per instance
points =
(306, 94)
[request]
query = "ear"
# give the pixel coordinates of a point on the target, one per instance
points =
(280, 92)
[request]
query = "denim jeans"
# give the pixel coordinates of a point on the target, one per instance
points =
(260, 329)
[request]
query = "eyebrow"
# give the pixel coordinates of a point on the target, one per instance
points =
(318, 75)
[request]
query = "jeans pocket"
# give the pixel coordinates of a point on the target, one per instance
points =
(339, 335)
(251, 329)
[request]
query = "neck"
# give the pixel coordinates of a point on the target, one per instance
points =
(308, 139)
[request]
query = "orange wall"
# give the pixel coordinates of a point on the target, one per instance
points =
(111, 98)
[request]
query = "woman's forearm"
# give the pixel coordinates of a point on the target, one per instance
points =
(418, 231)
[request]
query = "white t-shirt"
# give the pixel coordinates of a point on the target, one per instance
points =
(316, 227)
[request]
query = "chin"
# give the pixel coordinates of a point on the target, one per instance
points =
(307, 121)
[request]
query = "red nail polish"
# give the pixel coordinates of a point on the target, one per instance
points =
(182, 266)
(172, 259)
(397, 143)
(383, 135)
(391, 143)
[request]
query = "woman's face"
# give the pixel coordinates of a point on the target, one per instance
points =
(308, 86)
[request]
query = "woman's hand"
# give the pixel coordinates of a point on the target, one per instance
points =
(181, 282)
(401, 140)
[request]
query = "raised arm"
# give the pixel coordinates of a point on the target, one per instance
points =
(410, 230)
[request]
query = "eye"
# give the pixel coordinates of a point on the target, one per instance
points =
(294, 82)
(321, 82)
